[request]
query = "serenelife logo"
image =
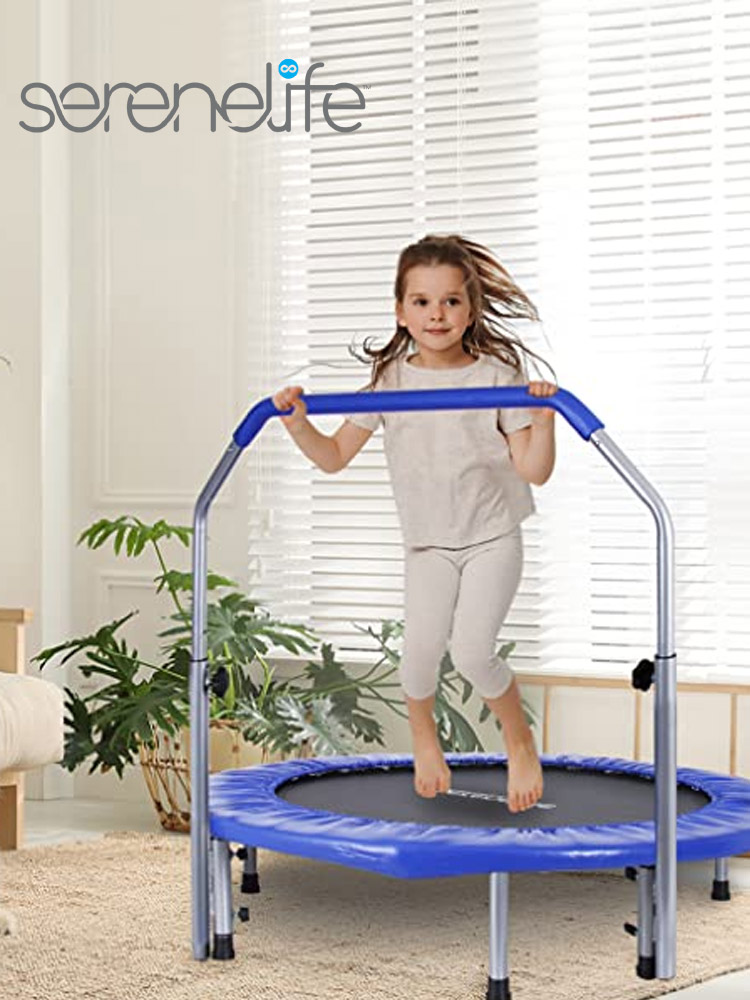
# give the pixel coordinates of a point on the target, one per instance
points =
(239, 97)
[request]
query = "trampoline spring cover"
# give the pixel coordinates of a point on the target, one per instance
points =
(247, 806)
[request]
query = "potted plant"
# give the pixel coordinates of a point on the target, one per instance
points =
(139, 710)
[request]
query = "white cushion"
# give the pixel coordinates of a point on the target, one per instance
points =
(31, 722)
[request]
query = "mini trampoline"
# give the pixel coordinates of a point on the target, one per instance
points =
(362, 812)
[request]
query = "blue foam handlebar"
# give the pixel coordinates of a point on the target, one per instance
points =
(492, 397)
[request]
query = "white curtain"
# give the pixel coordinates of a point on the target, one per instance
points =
(601, 150)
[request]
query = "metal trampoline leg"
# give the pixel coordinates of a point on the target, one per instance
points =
(249, 858)
(646, 967)
(498, 984)
(720, 889)
(222, 892)
(250, 884)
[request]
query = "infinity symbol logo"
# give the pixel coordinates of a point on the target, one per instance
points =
(288, 68)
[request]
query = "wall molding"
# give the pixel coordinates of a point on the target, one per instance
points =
(104, 492)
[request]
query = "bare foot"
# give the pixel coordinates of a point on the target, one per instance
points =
(525, 782)
(431, 773)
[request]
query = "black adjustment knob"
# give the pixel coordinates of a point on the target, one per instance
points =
(220, 682)
(643, 675)
(630, 929)
(631, 873)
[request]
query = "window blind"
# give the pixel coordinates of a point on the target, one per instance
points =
(600, 149)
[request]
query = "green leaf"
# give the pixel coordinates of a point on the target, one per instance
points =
(315, 723)
(79, 736)
(97, 534)
(330, 679)
(141, 538)
(184, 534)
(103, 638)
(119, 536)
(180, 582)
(454, 732)
(134, 533)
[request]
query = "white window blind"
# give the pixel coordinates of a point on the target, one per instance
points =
(601, 150)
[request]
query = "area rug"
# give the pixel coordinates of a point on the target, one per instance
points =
(111, 919)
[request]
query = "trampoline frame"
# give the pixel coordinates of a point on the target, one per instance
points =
(661, 937)
(262, 806)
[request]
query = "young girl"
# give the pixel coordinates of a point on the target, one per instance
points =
(460, 480)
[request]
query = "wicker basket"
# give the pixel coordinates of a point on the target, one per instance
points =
(166, 767)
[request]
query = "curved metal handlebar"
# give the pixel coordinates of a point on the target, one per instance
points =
(591, 429)
(564, 402)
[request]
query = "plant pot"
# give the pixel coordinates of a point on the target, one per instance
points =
(166, 767)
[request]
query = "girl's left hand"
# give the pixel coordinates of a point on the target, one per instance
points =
(542, 416)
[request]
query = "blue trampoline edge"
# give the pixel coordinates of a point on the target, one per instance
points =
(244, 808)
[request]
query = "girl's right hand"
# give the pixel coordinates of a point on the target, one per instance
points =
(289, 396)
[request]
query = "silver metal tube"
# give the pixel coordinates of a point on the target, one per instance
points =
(222, 883)
(721, 869)
(199, 704)
(499, 908)
(645, 912)
(665, 760)
(665, 709)
(664, 537)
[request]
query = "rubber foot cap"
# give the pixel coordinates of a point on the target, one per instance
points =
(498, 989)
(250, 882)
(223, 947)
(721, 891)
(646, 967)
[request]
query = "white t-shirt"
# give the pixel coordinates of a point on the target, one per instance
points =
(453, 479)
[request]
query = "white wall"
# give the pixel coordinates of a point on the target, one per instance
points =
(20, 323)
(34, 394)
(162, 278)
(126, 273)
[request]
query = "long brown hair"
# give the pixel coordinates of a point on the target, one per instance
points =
(493, 295)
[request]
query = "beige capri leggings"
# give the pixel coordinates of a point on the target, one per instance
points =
(463, 594)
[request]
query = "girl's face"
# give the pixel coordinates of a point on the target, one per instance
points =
(436, 311)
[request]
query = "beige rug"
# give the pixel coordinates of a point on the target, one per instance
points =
(110, 919)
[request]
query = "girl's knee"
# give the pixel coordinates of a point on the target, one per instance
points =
(418, 671)
(418, 688)
(504, 678)
(490, 676)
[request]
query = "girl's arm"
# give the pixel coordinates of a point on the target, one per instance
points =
(331, 454)
(532, 449)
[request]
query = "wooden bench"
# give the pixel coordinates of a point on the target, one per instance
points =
(12, 660)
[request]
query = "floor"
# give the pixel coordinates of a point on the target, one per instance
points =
(61, 820)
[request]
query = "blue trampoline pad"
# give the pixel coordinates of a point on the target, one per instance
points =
(364, 812)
